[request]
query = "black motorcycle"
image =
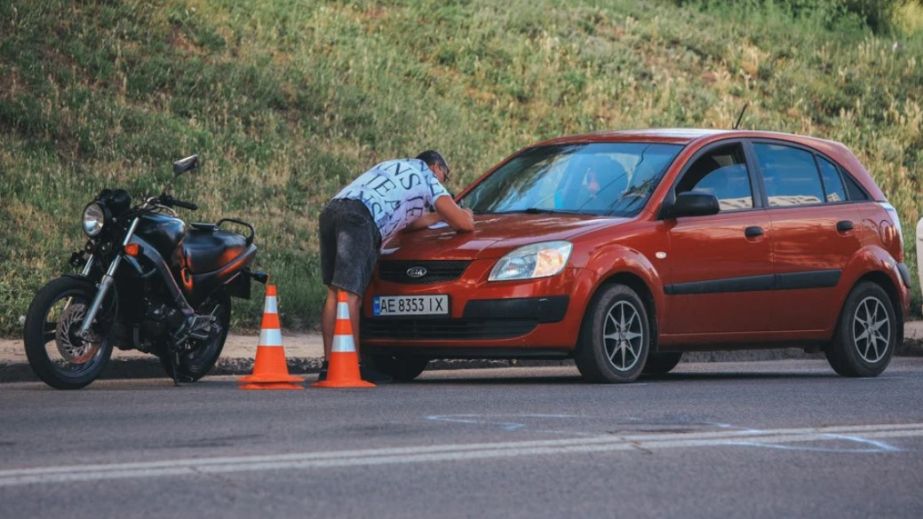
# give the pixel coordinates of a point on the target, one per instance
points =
(148, 283)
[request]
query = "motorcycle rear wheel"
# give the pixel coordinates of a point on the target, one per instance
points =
(198, 362)
(56, 355)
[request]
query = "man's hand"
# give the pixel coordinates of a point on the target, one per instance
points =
(422, 222)
(462, 220)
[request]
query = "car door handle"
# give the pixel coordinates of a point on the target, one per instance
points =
(753, 232)
(844, 226)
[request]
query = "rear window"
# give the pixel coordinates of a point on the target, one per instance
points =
(853, 190)
(833, 183)
(789, 174)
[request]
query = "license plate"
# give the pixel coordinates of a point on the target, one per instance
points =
(410, 305)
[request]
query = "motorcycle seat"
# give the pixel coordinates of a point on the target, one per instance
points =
(207, 250)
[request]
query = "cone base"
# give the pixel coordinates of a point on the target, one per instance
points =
(271, 381)
(342, 384)
(271, 386)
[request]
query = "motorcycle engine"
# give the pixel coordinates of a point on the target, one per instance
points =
(160, 318)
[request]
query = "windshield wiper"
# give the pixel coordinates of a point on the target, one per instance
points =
(535, 210)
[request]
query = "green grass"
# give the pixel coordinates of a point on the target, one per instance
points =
(286, 101)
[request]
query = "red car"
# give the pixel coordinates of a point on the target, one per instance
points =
(624, 249)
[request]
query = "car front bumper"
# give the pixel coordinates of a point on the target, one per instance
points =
(538, 318)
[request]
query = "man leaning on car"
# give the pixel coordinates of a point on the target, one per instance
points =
(393, 196)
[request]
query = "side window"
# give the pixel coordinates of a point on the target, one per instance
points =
(853, 190)
(789, 175)
(721, 172)
(833, 185)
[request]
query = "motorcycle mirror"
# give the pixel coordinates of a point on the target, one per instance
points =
(183, 165)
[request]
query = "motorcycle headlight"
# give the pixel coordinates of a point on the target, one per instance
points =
(538, 260)
(93, 219)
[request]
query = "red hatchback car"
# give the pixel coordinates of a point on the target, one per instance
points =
(624, 249)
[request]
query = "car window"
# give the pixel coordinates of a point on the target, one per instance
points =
(853, 190)
(789, 174)
(833, 184)
(723, 173)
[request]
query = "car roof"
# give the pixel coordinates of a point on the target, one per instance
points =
(681, 136)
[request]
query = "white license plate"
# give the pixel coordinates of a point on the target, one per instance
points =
(410, 305)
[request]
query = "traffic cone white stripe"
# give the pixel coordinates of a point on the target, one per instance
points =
(270, 337)
(343, 344)
(271, 305)
(342, 311)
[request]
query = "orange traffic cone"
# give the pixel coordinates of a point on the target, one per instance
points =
(270, 370)
(343, 364)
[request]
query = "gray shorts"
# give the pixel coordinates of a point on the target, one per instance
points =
(349, 245)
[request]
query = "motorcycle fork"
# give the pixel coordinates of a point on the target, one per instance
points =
(87, 268)
(105, 283)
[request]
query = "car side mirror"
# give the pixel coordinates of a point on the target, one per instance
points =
(691, 203)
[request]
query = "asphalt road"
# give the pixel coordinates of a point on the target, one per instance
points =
(759, 439)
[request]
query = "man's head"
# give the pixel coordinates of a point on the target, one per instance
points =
(436, 164)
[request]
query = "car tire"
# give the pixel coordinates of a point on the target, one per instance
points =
(401, 368)
(866, 333)
(615, 337)
(662, 363)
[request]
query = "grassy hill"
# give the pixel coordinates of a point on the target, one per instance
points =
(288, 100)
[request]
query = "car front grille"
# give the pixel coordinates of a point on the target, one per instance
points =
(444, 328)
(435, 271)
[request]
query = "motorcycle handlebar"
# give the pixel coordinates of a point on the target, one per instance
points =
(186, 205)
(169, 201)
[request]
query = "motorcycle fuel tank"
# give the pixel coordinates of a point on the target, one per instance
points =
(163, 232)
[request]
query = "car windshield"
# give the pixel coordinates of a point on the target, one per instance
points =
(612, 178)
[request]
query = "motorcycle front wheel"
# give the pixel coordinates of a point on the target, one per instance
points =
(56, 354)
(197, 362)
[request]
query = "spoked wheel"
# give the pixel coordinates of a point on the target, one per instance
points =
(866, 334)
(56, 353)
(615, 338)
(199, 357)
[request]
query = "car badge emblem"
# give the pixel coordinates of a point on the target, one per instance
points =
(416, 272)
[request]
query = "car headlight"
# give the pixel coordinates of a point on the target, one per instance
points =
(93, 219)
(538, 260)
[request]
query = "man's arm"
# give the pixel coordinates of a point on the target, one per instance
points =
(462, 220)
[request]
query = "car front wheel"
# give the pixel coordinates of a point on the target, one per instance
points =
(866, 334)
(615, 338)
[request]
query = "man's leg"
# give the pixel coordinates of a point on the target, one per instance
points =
(328, 320)
(354, 302)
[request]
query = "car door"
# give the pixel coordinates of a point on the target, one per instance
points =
(815, 233)
(720, 267)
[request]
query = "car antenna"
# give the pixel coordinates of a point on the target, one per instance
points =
(741, 116)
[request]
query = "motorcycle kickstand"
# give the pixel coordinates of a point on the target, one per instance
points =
(174, 361)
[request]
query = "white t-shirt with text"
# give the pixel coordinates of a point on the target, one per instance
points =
(396, 192)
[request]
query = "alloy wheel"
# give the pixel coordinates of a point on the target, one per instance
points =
(871, 329)
(623, 335)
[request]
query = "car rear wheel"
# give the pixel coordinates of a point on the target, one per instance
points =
(401, 368)
(615, 338)
(866, 334)
(662, 363)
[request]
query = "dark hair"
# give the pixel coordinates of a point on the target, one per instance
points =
(433, 158)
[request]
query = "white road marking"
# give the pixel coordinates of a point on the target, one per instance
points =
(483, 419)
(453, 452)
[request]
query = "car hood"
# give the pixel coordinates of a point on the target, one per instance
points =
(494, 236)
